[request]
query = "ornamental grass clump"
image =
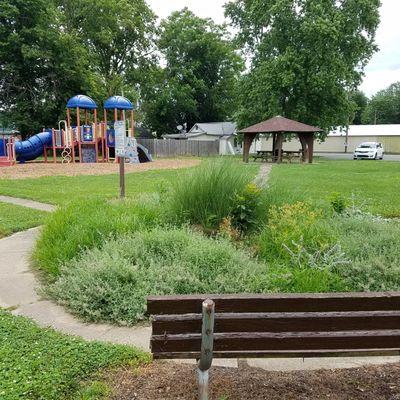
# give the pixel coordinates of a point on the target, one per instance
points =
(208, 194)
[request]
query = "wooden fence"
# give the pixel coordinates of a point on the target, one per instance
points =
(175, 148)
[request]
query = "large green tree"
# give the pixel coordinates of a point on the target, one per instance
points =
(360, 102)
(199, 76)
(119, 36)
(306, 56)
(384, 107)
(40, 66)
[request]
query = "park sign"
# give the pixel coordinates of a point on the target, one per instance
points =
(119, 128)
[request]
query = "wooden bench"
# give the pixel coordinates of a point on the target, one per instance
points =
(278, 325)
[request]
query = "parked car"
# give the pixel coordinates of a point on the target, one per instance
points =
(369, 150)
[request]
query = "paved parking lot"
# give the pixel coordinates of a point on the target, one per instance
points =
(349, 156)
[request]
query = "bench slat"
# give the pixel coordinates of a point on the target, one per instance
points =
(280, 322)
(191, 304)
(282, 354)
(288, 341)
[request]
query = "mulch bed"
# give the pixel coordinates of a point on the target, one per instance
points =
(40, 169)
(165, 381)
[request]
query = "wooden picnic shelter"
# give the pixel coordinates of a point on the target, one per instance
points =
(280, 127)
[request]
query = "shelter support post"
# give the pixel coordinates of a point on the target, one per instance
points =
(279, 144)
(310, 140)
(207, 345)
(248, 140)
(304, 149)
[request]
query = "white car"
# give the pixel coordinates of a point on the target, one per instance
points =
(369, 150)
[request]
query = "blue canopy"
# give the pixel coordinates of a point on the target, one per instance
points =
(118, 102)
(81, 101)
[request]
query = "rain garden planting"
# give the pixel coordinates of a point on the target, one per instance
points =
(211, 229)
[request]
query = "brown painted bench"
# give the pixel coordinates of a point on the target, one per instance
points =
(279, 325)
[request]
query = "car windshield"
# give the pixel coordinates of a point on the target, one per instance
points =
(366, 146)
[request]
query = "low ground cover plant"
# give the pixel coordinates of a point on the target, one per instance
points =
(112, 283)
(372, 246)
(42, 364)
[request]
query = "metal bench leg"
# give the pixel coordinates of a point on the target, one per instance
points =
(207, 344)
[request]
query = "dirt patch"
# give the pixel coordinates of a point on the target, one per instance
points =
(167, 381)
(37, 170)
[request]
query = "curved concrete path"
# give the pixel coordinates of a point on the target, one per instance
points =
(18, 292)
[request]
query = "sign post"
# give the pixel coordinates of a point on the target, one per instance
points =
(119, 128)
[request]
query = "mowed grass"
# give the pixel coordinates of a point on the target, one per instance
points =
(61, 190)
(16, 218)
(42, 364)
(375, 186)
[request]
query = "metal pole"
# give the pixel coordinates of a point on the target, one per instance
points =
(122, 177)
(207, 345)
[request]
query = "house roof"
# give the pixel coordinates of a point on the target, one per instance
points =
(280, 124)
(213, 129)
(367, 130)
(175, 136)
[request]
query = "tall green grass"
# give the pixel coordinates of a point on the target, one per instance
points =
(17, 218)
(86, 224)
(206, 195)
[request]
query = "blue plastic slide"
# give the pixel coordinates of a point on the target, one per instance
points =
(33, 147)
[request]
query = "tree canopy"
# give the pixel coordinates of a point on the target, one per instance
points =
(199, 78)
(39, 64)
(119, 36)
(360, 102)
(306, 56)
(384, 107)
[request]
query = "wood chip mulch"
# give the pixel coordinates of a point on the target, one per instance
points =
(167, 381)
(37, 170)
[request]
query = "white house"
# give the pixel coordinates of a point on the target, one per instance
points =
(388, 135)
(224, 132)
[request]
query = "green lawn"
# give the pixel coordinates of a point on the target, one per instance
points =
(17, 218)
(375, 185)
(62, 189)
(42, 364)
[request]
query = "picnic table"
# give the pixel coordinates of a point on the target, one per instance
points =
(268, 155)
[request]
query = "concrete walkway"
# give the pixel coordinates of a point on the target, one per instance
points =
(19, 293)
(262, 177)
(27, 203)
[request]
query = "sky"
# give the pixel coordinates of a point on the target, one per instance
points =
(383, 69)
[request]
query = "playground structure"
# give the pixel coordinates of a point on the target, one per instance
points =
(7, 149)
(80, 138)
